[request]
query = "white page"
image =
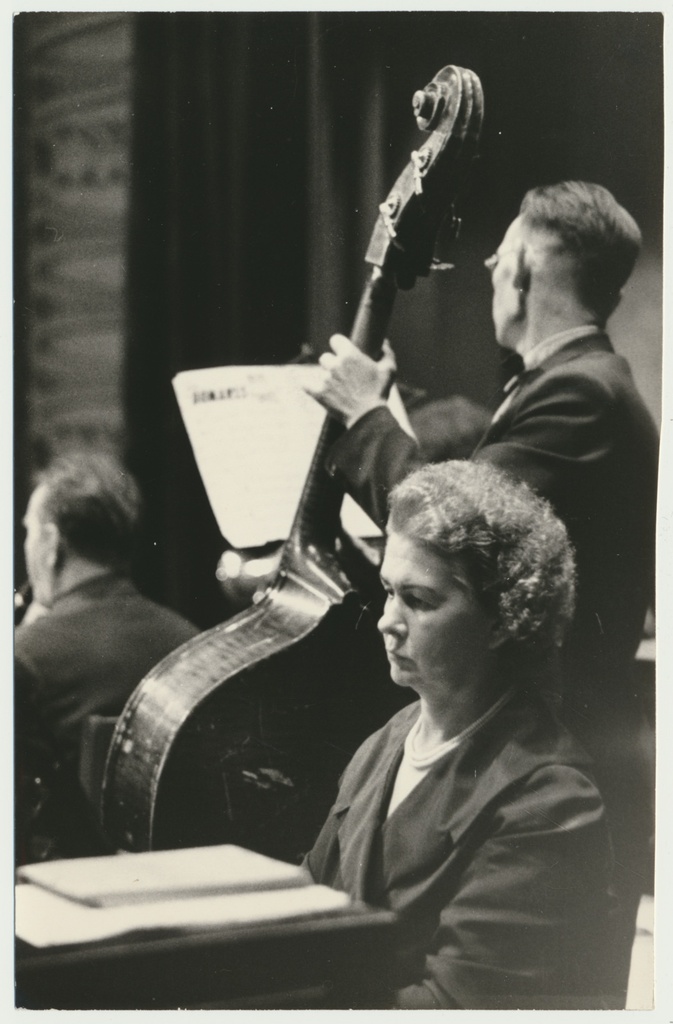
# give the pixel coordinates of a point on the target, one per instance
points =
(253, 430)
(162, 874)
(44, 919)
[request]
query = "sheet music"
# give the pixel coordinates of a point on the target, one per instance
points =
(253, 430)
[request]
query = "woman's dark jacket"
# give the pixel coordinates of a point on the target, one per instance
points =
(497, 864)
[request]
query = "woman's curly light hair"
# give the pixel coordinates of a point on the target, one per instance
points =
(515, 549)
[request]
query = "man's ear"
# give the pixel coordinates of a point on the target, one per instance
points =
(53, 546)
(523, 271)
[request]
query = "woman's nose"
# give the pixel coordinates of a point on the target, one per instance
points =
(391, 622)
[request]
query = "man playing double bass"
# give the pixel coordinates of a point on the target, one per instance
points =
(573, 426)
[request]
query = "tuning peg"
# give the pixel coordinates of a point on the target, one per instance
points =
(388, 209)
(420, 159)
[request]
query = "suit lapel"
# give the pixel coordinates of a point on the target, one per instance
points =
(512, 389)
(361, 814)
(506, 411)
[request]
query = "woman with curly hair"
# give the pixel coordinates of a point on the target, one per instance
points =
(473, 813)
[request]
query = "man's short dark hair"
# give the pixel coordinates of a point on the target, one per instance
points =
(95, 503)
(591, 225)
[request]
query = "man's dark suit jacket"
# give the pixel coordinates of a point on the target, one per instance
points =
(579, 433)
(85, 657)
(88, 655)
(497, 864)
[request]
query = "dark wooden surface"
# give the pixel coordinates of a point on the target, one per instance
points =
(333, 962)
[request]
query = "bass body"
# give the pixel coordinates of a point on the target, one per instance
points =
(240, 735)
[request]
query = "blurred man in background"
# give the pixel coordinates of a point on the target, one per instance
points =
(85, 642)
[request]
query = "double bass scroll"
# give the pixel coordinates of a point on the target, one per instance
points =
(240, 735)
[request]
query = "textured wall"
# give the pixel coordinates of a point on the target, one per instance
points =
(73, 126)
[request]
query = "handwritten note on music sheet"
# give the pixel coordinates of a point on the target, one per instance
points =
(253, 430)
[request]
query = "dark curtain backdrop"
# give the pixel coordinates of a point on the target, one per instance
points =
(262, 146)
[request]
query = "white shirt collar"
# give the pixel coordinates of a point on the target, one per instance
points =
(551, 345)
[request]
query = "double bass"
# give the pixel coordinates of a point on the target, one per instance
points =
(240, 735)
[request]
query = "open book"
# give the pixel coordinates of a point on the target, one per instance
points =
(253, 431)
(160, 874)
(90, 899)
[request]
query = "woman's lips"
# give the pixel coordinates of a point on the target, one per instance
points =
(399, 660)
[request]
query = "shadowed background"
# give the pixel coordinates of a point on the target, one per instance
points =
(199, 189)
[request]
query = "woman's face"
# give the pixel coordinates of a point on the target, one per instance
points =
(437, 635)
